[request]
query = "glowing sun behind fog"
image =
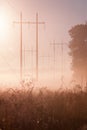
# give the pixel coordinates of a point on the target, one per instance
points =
(3, 24)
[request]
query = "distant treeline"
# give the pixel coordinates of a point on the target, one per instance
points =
(43, 110)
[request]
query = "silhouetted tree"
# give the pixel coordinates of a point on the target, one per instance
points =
(78, 51)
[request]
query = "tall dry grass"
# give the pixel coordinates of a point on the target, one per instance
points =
(45, 110)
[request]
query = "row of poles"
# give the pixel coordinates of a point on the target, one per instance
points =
(54, 44)
(21, 22)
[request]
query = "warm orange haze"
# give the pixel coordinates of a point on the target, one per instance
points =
(43, 64)
(54, 21)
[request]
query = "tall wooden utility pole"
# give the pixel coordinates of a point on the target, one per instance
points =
(62, 60)
(28, 22)
(21, 65)
(37, 23)
(21, 22)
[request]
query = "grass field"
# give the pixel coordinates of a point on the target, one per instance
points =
(43, 110)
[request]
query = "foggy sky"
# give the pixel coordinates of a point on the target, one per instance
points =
(59, 15)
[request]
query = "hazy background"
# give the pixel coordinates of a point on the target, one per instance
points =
(59, 16)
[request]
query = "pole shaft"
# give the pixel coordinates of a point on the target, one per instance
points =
(20, 47)
(37, 46)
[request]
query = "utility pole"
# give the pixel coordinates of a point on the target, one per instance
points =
(37, 23)
(62, 60)
(20, 22)
(28, 22)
